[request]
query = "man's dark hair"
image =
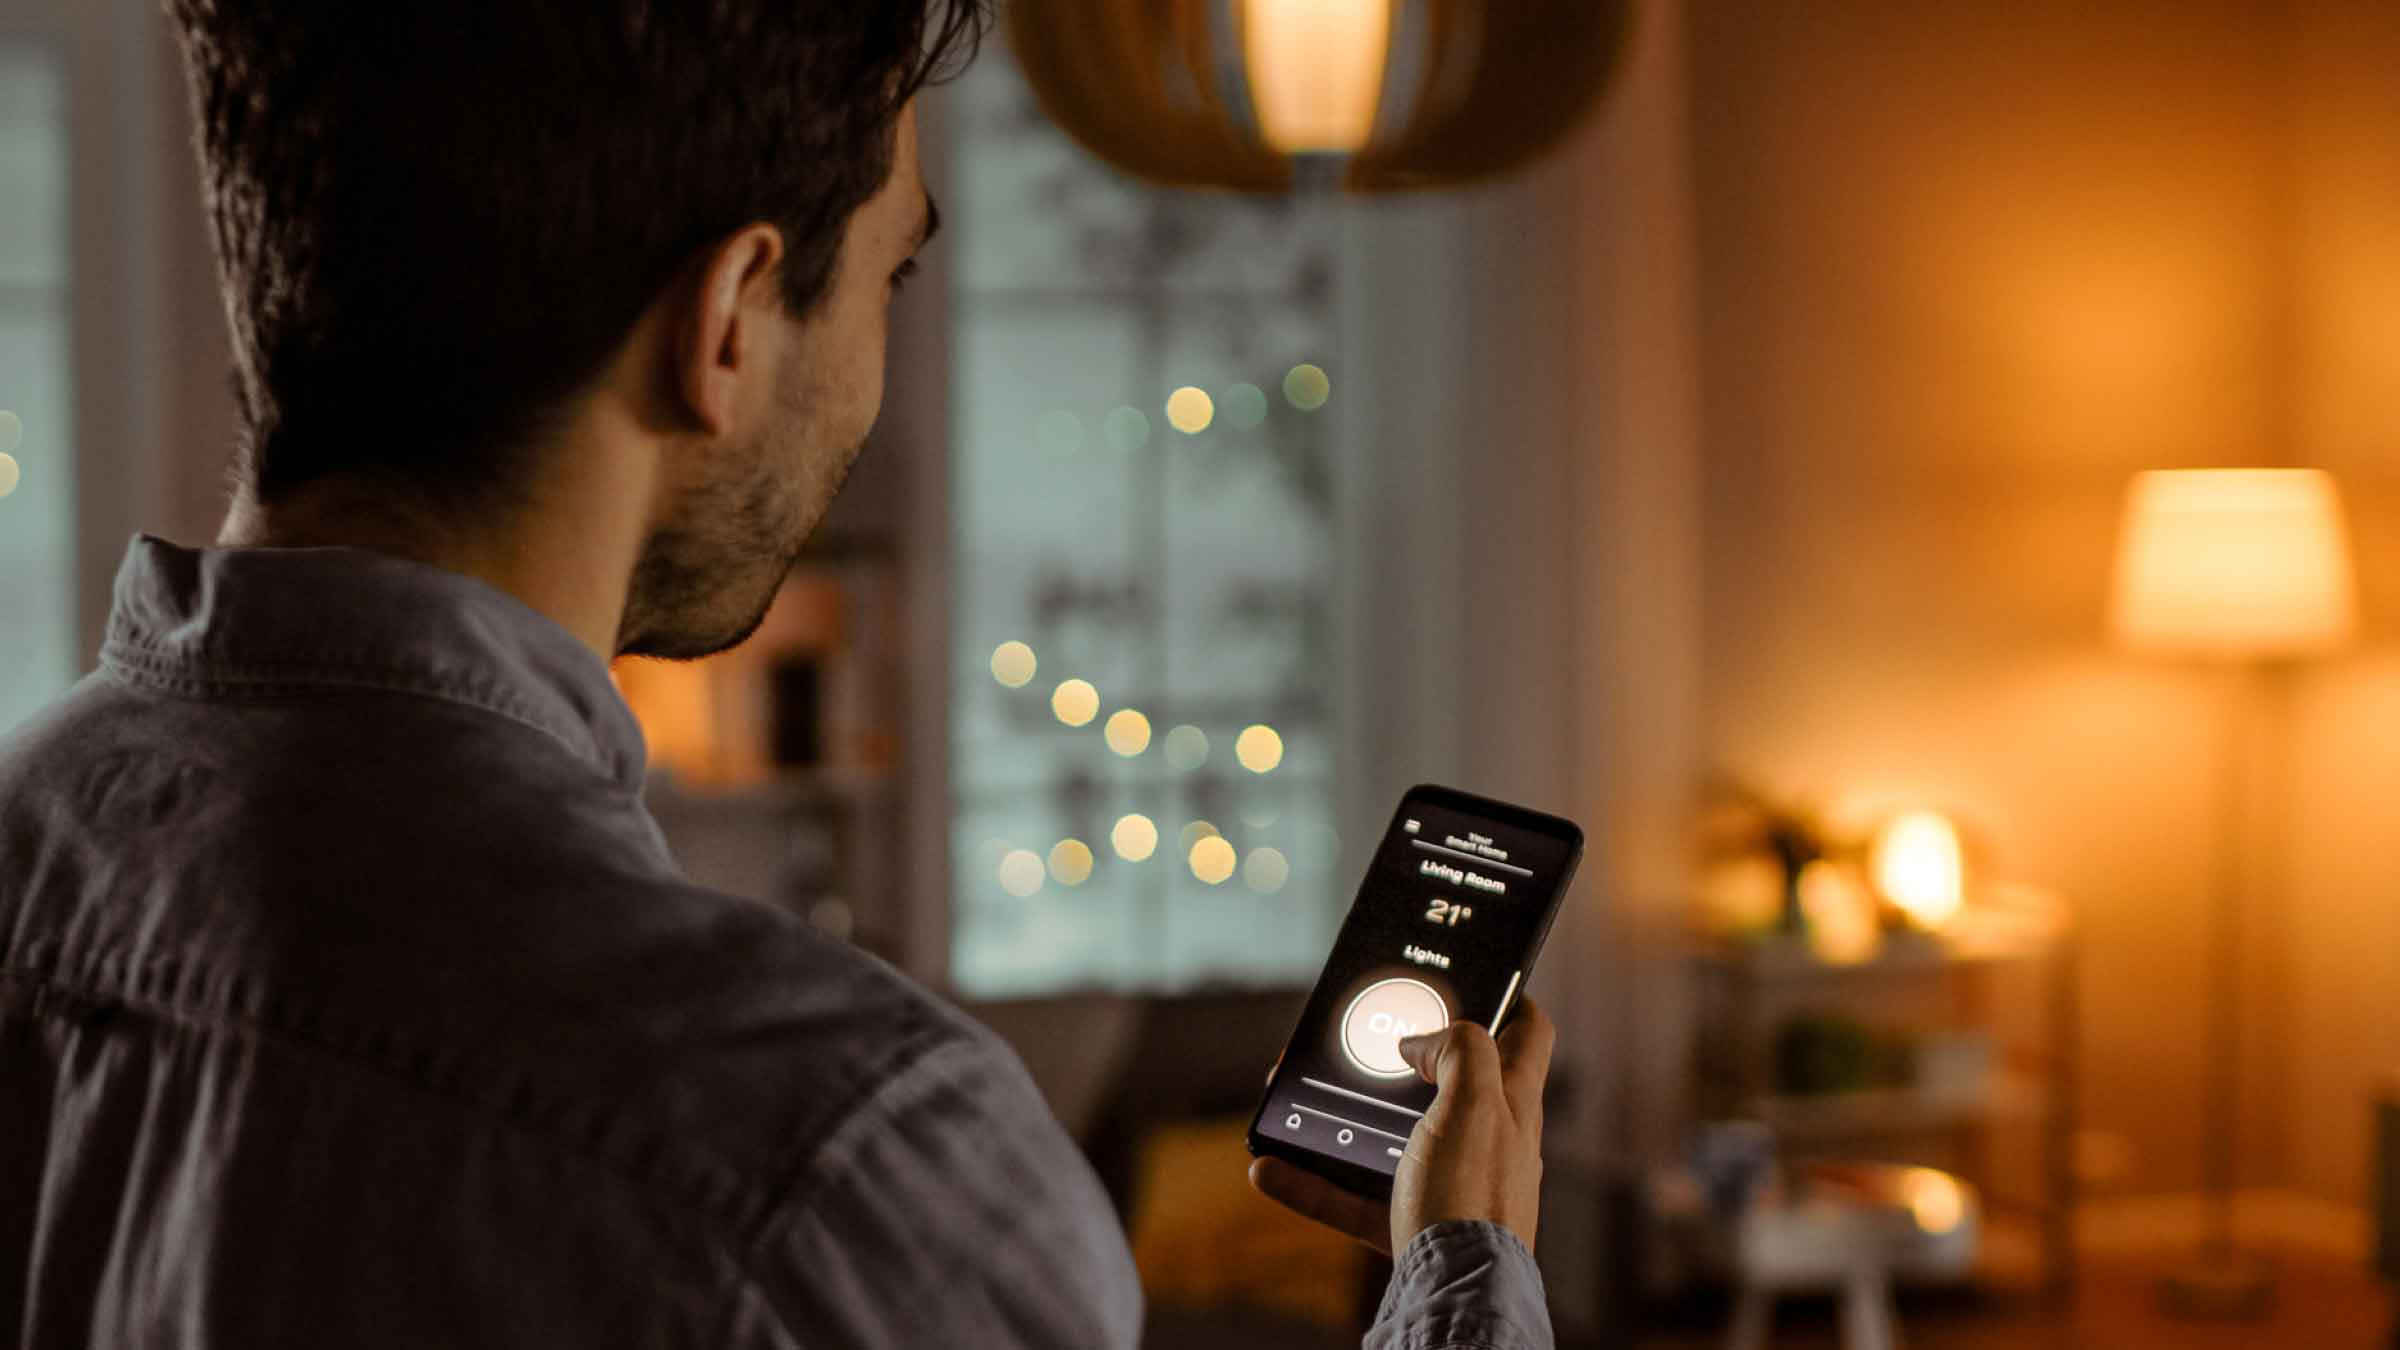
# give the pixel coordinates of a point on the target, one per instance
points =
(435, 219)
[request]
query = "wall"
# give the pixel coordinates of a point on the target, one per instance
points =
(1964, 269)
(2343, 916)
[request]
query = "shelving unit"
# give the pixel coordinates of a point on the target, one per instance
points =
(2005, 976)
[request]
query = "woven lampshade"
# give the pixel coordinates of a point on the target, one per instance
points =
(1253, 95)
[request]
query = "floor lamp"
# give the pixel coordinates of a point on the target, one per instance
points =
(2247, 569)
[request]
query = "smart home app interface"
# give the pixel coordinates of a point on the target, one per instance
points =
(1452, 905)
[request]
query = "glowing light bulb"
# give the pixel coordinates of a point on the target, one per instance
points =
(1075, 702)
(1187, 747)
(1840, 913)
(1021, 872)
(1195, 832)
(1189, 410)
(1071, 862)
(1921, 867)
(1258, 748)
(1934, 1199)
(1013, 664)
(8, 473)
(1127, 732)
(1135, 837)
(1316, 70)
(1212, 859)
(1307, 387)
(1265, 870)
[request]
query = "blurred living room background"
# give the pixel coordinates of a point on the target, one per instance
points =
(1766, 476)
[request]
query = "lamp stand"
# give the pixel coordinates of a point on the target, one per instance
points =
(2222, 1280)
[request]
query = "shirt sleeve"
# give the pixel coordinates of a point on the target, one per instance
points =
(1466, 1285)
(950, 1209)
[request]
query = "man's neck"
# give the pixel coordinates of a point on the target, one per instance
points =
(568, 553)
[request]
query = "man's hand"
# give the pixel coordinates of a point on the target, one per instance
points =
(1477, 1154)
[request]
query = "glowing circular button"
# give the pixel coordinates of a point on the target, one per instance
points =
(1381, 1015)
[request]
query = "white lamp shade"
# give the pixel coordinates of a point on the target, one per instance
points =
(2233, 564)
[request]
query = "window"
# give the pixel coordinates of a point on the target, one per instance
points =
(1174, 550)
(37, 503)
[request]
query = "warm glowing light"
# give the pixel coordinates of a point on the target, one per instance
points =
(1135, 837)
(1058, 432)
(8, 473)
(1021, 872)
(1189, 410)
(1126, 429)
(1265, 870)
(1187, 747)
(1935, 1199)
(12, 431)
(1071, 862)
(1921, 867)
(1075, 702)
(1195, 832)
(1316, 70)
(1841, 915)
(1307, 387)
(1212, 859)
(1245, 406)
(1013, 664)
(1127, 732)
(1258, 748)
(2233, 563)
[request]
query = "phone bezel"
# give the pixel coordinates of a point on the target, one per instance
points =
(1351, 1177)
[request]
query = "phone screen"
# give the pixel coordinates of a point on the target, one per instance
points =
(1454, 906)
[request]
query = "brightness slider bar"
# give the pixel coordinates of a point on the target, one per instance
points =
(1473, 858)
(1351, 1123)
(1362, 1097)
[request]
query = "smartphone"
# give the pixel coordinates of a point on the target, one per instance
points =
(1453, 910)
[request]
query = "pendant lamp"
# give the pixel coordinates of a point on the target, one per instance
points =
(1266, 95)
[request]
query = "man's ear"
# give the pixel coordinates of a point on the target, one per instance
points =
(719, 336)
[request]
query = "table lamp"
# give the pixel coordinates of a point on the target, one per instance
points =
(2247, 569)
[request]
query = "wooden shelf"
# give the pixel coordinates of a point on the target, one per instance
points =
(1888, 1111)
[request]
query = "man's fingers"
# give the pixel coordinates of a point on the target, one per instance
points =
(1459, 1060)
(1525, 1049)
(1313, 1197)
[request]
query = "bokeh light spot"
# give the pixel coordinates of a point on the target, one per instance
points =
(1189, 410)
(1307, 387)
(1128, 732)
(1258, 748)
(9, 473)
(1195, 832)
(1265, 870)
(1245, 406)
(1212, 859)
(1075, 701)
(1021, 872)
(1071, 862)
(1135, 837)
(1013, 664)
(1127, 429)
(1187, 747)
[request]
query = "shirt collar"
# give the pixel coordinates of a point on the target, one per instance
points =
(224, 620)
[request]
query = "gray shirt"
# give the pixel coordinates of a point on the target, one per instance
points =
(349, 996)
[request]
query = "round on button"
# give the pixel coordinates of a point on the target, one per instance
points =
(1381, 1015)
